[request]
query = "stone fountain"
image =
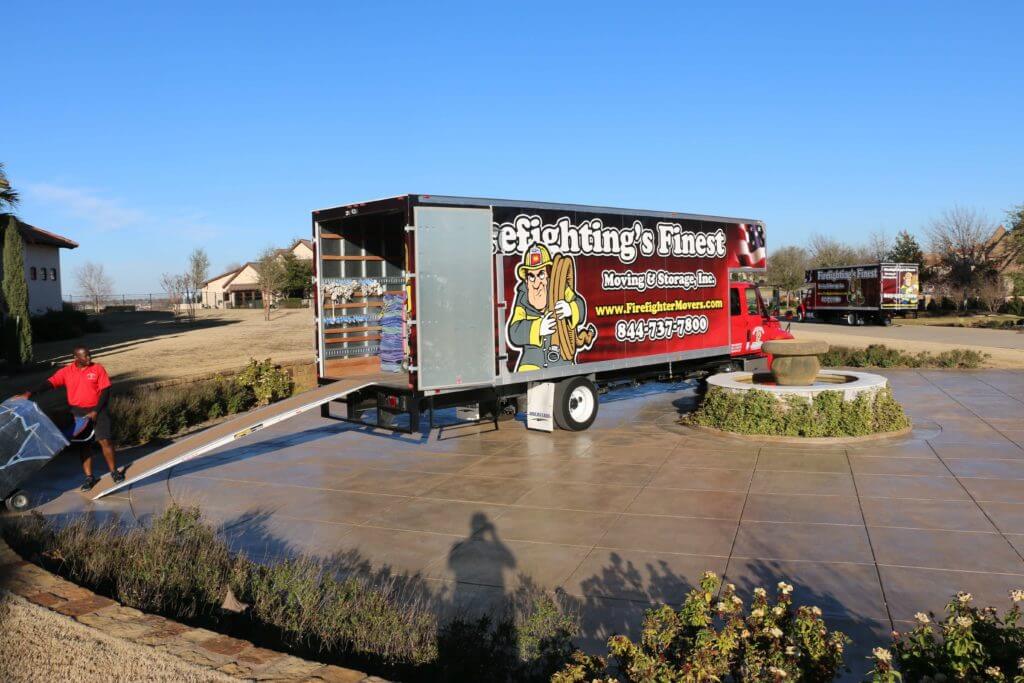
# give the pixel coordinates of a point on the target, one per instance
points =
(796, 371)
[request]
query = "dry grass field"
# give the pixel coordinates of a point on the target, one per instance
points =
(144, 347)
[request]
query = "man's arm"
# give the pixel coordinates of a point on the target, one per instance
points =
(101, 404)
(42, 388)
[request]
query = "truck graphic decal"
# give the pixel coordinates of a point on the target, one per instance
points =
(584, 288)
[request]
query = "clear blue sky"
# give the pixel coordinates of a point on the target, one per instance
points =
(143, 132)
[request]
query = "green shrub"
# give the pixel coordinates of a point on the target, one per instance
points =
(67, 323)
(179, 567)
(759, 412)
(881, 356)
(711, 639)
(970, 644)
(267, 382)
(143, 415)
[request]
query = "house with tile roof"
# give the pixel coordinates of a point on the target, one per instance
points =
(239, 288)
(42, 267)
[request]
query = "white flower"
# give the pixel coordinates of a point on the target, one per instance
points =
(964, 622)
(760, 592)
(744, 633)
(779, 673)
(994, 673)
(776, 632)
(731, 587)
(736, 600)
(964, 598)
(757, 613)
(785, 588)
(922, 618)
(1017, 595)
(791, 650)
(882, 655)
(777, 611)
(721, 606)
(816, 611)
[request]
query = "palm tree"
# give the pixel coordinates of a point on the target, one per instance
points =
(8, 195)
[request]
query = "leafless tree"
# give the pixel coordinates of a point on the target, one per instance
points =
(993, 291)
(94, 283)
(174, 287)
(960, 237)
(878, 246)
(786, 269)
(826, 252)
(194, 279)
(271, 276)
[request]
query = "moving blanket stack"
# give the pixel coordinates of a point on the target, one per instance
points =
(28, 439)
(392, 345)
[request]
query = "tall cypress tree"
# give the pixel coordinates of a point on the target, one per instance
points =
(18, 329)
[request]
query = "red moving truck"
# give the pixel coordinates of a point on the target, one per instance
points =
(859, 294)
(443, 301)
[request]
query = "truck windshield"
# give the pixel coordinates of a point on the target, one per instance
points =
(754, 306)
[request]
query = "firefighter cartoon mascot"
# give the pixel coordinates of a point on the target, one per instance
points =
(548, 319)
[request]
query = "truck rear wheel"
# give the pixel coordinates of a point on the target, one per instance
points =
(575, 406)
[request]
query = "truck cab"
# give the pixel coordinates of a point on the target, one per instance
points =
(751, 320)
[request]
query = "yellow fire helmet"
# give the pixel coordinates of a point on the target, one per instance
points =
(535, 257)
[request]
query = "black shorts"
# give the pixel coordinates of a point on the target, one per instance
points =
(101, 425)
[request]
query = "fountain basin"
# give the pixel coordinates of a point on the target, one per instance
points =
(849, 382)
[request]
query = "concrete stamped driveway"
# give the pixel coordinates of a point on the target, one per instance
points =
(633, 510)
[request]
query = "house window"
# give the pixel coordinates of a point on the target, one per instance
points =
(53, 274)
(32, 273)
(42, 274)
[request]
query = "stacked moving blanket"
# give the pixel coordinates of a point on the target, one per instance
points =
(392, 333)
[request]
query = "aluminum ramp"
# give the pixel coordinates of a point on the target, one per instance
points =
(201, 443)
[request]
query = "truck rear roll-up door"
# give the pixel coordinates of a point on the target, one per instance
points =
(454, 297)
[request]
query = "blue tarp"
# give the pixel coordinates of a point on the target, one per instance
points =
(28, 439)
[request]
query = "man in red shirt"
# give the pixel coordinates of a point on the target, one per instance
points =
(88, 389)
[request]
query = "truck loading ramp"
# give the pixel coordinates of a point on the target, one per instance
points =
(203, 442)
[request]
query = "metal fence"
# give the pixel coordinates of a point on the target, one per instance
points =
(137, 302)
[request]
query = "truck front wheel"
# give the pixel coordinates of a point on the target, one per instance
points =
(575, 404)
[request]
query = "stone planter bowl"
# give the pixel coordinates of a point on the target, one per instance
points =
(795, 362)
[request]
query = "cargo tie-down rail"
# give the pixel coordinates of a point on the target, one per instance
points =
(199, 444)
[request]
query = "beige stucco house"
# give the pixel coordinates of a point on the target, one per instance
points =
(239, 288)
(42, 267)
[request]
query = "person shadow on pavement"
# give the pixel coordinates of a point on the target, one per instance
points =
(479, 559)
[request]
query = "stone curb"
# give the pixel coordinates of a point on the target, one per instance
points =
(203, 648)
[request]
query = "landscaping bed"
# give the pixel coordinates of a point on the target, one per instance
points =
(180, 568)
(757, 412)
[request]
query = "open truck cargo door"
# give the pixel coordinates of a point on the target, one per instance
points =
(455, 342)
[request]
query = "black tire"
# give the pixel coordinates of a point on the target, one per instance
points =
(886, 321)
(571, 403)
(800, 316)
(17, 501)
(850, 319)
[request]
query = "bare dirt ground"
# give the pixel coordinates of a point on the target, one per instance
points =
(144, 347)
(1005, 347)
(39, 645)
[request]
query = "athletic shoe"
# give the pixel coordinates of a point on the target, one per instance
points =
(88, 484)
(117, 475)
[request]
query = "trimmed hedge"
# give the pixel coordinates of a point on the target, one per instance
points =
(67, 323)
(881, 356)
(759, 412)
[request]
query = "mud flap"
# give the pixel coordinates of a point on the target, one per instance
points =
(540, 403)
